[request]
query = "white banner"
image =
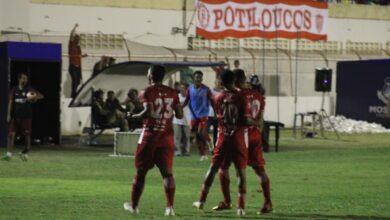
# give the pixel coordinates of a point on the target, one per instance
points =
(217, 19)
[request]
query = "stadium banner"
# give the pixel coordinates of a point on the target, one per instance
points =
(363, 90)
(217, 19)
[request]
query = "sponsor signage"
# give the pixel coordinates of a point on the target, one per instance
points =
(363, 90)
(217, 19)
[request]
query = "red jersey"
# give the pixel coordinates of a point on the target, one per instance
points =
(74, 52)
(229, 109)
(254, 104)
(164, 100)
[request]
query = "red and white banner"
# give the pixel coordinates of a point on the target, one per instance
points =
(217, 19)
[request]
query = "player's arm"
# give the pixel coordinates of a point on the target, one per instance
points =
(187, 100)
(178, 110)
(73, 31)
(146, 113)
(10, 103)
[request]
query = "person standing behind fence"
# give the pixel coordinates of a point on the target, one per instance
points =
(74, 52)
(199, 98)
(181, 127)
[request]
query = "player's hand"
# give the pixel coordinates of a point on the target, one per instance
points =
(129, 115)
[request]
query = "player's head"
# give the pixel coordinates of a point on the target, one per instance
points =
(132, 94)
(255, 84)
(156, 73)
(98, 94)
(236, 63)
(197, 77)
(22, 79)
(183, 88)
(227, 79)
(240, 78)
(111, 95)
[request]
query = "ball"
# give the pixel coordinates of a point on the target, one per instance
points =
(31, 96)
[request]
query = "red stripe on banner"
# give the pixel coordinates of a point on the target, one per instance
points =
(321, 5)
(258, 33)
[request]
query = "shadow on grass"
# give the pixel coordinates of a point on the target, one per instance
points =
(289, 216)
(321, 216)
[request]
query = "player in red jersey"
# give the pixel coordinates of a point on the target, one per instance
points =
(155, 145)
(231, 144)
(255, 109)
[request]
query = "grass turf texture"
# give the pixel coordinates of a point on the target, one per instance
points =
(310, 179)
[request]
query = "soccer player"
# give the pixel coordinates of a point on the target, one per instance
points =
(19, 115)
(199, 98)
(231, 144)
(255, 110)
(155, 145)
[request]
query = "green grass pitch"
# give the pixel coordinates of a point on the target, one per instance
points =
(310, 179)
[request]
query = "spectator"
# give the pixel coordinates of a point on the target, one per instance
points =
(133, 106)
(100, 65)
(181, 127)
(105, 117)
(236, 64)
(103, 63)
(74, 52)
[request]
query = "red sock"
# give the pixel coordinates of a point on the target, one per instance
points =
(169, 187)
(201, 147)
(224, 181)
(203, 193)
(136, 190)
(265, 183)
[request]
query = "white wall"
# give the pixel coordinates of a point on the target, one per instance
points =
(147, 26)
(358, 30)
(14, 15)
(153, 27)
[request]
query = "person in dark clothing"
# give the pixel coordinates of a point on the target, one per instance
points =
(19, 114)
(105, 115)
(133, 106)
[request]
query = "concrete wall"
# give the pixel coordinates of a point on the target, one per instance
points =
(53, 19)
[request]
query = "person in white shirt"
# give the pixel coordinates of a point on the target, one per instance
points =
(181, 127)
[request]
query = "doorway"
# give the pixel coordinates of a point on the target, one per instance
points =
(44, 76)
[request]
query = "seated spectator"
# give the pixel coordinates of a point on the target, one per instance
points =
(103, 116)
(134, 106)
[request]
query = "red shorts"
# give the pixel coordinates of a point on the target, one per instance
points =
(231, 149)
(198, 123)
(255, 150)
(154, 149)
(20, 125)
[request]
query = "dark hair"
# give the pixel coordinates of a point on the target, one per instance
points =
(22, 73)
(158, 73)
(131, 91)
(198, 72)
(97, 93)
(240, 75)
(227, 77)
(110, 92)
